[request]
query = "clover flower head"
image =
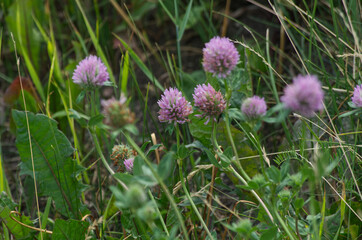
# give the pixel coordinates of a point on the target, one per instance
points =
(128, 163)
(220, 56)
(357, 96)
(254, 107)
(304, 96)
(123, 157)
(210, 102)
(173, 107)
(116, 112)
(90, 72)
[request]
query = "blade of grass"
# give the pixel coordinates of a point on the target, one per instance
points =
(49, 82)
(125, 70)
(4, 186)
(46, 213)
(167, 11)
(28, 63)
(140, 64)
(184, 21)
(1, 39)
(77, 34)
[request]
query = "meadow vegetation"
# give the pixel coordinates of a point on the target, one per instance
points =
(192, 119)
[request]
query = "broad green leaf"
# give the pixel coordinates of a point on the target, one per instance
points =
(200, 131)
(55, 171)
(70, 229)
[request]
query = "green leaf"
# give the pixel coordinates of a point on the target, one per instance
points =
(124, 177)
(15, 228)
(271, 233)
(95, 120)
(80, 96)
(167, 165)
(225, 160)
(253, 185)
(56, 172)
(182, 152)
(240, 83)
(200, 131)
(299, 203)
(274, 174)
(348, 113)
(19, 22)
(153, 148)
(137, 166)
(6, 206)
(184, 21)
(303, 227)
(212, 158)
(69, 229)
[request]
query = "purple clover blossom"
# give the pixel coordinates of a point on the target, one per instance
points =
(209, 102)
(174, 107)
(128, 163)
(304, 96)
(90, 72)
(254, 107)
(357, 96)
(220, 56)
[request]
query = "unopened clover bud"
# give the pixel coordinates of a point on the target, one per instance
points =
(116, 112)
(136, 196)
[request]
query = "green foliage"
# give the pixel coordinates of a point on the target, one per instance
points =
(19, 232)
(55, 171)
(70, 229)
(281, 176)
